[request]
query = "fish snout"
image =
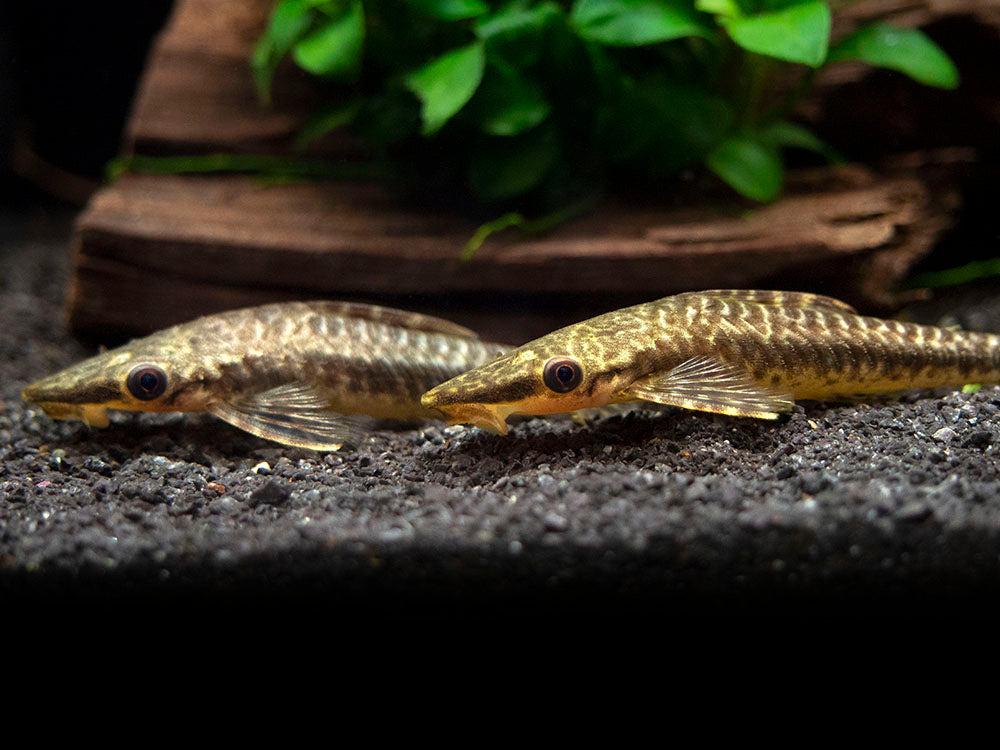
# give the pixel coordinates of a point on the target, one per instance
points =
(67, 395)
(448, 401)
(446, 397)
(63, 388)
(47, 390)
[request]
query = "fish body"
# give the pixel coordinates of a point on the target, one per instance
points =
(739, 352)
(300, 373)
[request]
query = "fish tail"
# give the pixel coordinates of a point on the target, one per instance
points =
(824, 354)
(903, 355)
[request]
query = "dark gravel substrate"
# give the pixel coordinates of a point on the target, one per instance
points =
(887, 509)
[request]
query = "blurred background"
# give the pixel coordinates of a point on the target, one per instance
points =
(67, 82)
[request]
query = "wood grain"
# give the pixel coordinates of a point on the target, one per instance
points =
(180, 246)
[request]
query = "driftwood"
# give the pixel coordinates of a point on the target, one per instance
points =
(197, 94)
(154, 250)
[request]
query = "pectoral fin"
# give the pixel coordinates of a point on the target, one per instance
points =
(706, 384)
(293, 414)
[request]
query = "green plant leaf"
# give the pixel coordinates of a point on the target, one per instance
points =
(507, 103)
(263, 63)
(445, 84)
(507, 167)
(289, 20)
(908, 51)
(629, 23)
(450, 10)
(537, 225)
(483, 232)
(798, 33)
(515, 17)
(790, 135)
(334, 49)
(258, 164)
(719, 7)
(749, 167)
(517, 33)
(326, 121)
(974, 271)
(660, 127)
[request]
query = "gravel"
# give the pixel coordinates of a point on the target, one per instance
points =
(861, 509)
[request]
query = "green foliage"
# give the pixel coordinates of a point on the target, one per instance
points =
(630, 23)
(517, 19)
(506, 167)
(783, 134)
(451, 10)
(334, 48)
(722, 8)
(331, 118)
(974, 271)
(749, 166)
(535, 104)
(908, 51)
(269, 168)
(507, 103)
(446, 84)
(798, 33)
(290, 20)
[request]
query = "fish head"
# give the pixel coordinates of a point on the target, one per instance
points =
(557, 373)
(137, 377)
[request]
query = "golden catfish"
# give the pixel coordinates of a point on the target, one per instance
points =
(745, 353)
(299, 373)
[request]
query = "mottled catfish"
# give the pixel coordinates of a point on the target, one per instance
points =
(299, 373)
(745, 353)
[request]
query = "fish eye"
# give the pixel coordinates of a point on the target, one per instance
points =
(562, 374)
(146, 382)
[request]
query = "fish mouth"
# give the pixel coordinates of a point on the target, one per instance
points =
(69, 391)
(94, 415)
(489, 417)
(41, 395)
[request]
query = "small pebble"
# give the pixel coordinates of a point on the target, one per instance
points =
(944, 434)
(786, 471)
(274, 492)
(555, 522)
(915, 512)
(978, 439)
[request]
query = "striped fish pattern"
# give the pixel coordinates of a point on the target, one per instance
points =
(300, 373)
(745, 353)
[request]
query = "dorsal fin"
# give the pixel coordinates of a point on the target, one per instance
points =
(393, 317)
(781, 299)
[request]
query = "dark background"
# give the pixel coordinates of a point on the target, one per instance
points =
(68, 73)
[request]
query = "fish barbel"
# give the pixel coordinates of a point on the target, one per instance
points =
(745, 353)
(299, 373)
